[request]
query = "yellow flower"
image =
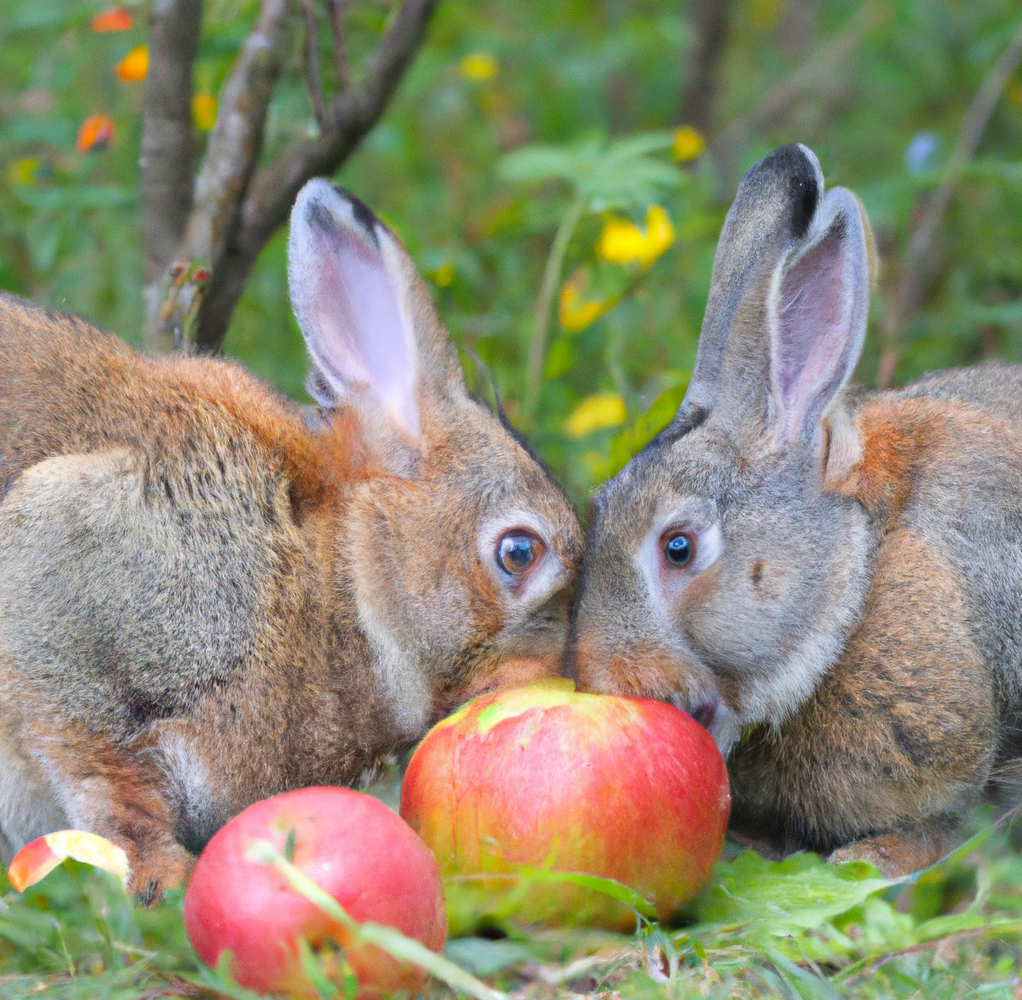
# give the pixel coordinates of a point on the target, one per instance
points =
(204, 108)
(623, 242)
(573, 313)
(134, 66)
(688, 144)
(23, 171)
(479, 66)
(598, 412)
(444, 274)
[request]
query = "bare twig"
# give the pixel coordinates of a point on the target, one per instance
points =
(970, 133)
(273, 188)
(237, 137)
(710, 22)
(231, 156)
(312, 78)
(167, 151)
(334, 9)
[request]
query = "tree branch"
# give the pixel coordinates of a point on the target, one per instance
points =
(274, 187)
(312, 77)
(167, 149)
(231, 156)
(710, 21)
(340, 51)
(970, 133)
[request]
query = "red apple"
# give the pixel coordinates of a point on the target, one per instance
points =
(624, 788)
(351, 845)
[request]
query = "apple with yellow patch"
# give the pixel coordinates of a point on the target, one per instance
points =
(520, 784)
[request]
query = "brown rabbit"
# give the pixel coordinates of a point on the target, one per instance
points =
(829, 580)
(204, 601)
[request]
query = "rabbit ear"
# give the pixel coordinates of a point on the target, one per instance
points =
(772, 211)
(817, 317)
(368, 323)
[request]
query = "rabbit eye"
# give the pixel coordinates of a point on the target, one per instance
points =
(518, 552)
(679, 549)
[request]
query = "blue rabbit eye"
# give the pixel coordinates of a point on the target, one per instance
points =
(518, 552)
(679, 549)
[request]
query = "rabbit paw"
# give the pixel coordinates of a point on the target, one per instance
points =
(159, 869)
(896, 854)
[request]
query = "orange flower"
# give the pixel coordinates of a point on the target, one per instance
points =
(36, 860)
(134, 66)
(114, 19)
(97, 132)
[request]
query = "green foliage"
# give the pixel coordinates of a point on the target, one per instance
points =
(621, 174)
(795, 928)
(474, 171)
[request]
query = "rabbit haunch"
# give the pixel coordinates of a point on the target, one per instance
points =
(204, 600)
(845, 619)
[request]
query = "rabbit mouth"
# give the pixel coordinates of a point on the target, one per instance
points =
(705, 713)
(705, 710)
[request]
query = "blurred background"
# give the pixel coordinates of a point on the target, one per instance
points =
(559, 170)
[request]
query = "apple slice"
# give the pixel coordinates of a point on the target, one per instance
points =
(36, 860)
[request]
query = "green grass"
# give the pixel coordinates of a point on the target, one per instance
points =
(793, 929)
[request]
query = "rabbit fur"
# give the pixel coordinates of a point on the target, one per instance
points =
(206, 599)
(844, 610)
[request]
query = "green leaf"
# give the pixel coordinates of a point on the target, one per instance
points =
(802, 982)
(321, 982)
(625, 445)
(605, 886)
(220, 980)
(622, 174)
(483, 957)
(780, 898)
(392, 941)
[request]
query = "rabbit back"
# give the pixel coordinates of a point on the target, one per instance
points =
(151, 568)
(942, 458)
(161, 494)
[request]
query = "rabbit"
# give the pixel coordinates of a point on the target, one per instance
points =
(206, 599)
(828, 579)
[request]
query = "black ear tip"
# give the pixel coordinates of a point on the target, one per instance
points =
(325, 206)
(793, 173)
(791, 160)
(363, 214)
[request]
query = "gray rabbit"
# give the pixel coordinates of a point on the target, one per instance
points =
(829, 579)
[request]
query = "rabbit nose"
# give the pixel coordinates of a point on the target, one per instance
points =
(705, 713)
(704, 708)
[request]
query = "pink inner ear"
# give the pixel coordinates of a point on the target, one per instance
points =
(814, 333)
(358, 334)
